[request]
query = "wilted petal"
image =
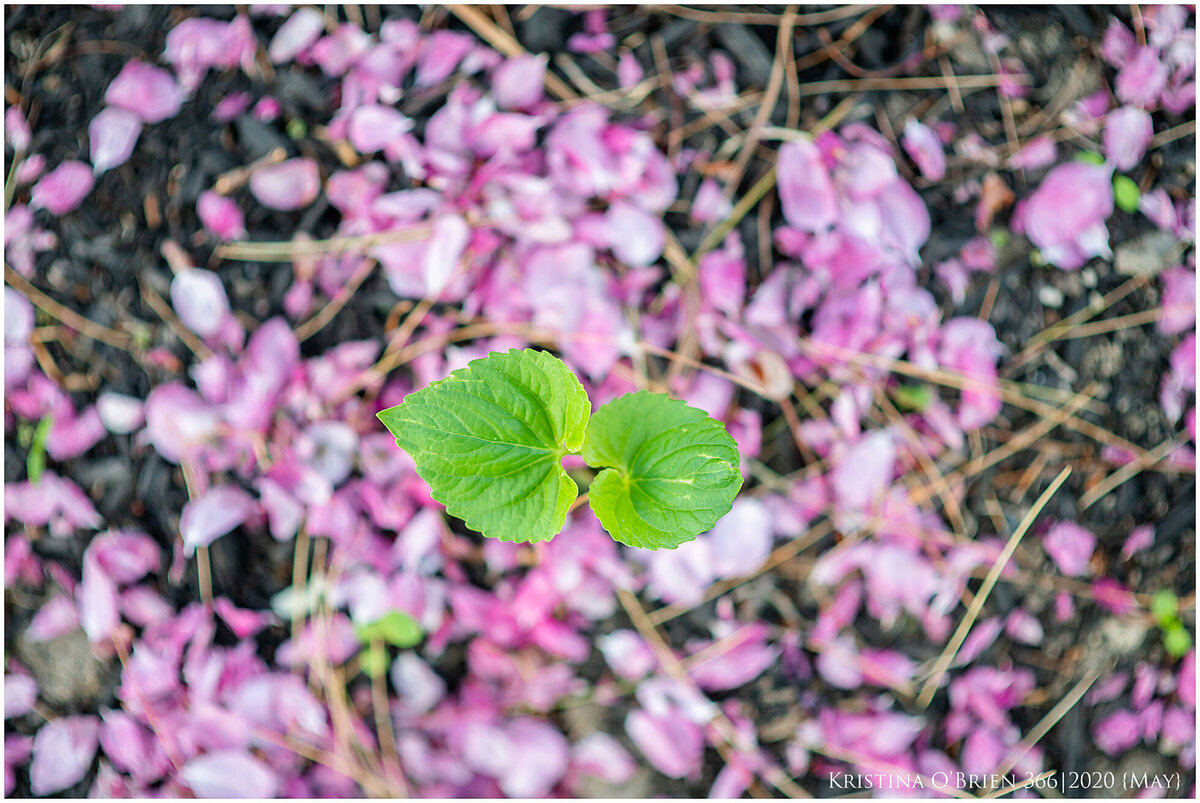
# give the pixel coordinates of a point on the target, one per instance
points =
(221, 215)
(96, 597)
(1035, 154)
(287, 186)
(16, 129)
(125, 555)
(441, 52)
(63, 188)
(147, 91)
(62, 753)
(1127, 133)
(214, 514)
(229, 773)
(1065, 215)
(113, 133)
(200, 301)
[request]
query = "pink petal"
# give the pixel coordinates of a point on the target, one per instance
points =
(55, 618)
(113, 133)
(635, 236)
(62, 753)
(125, 555)
(16, 129)
(806, 191)
(287, 186)
(741, 541)
(1117, 732)
(96, 597)
(629, 71)
(63, 188)
(1035, 154)
(200, 301)
(539, 759)
(229, 773)
(20, 695)
(672, 745)
(221, 216)
(518, 81)
(441, 52)
(864, 472)
(602, 756)
(1142, 78)
(1071, 547)
(627, 654)
(298, 33)
(214, 514)
(925, 147)
(147, 91)
(1127, 133)
(710, 204)
(1139, 538)
(373, 127)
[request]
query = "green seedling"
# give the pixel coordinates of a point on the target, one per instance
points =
(490, 439)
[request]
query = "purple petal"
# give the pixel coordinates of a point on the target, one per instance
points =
(1127, 133)
(741, 541)
(1035, 154)
(806, 191)
(229, 773)
(113, 133)
(539, 759)
(62, 753)
(147, 91)
(1071, 547)
(1065, 215)
(221, 216)
(1139, 538)
(287, 186)
(1117, 732)
(72, 435)
(214, 514)
(63, 188)
(200, 301)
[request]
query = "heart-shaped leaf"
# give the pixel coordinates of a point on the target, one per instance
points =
(670, 470)
(489, 440)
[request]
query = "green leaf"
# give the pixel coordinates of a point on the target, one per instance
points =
(1177, 640)
(913, 397)
(1126, 193)
(400, 630)
(1091, 157)
(1164, 606)
(669, 473)
(490, 438)
(373, 660)
(35, 461)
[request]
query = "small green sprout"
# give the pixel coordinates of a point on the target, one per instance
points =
(490, 439)
(1165, 609)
